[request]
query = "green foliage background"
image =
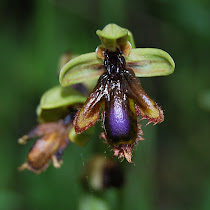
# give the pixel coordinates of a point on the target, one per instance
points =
(172, 166)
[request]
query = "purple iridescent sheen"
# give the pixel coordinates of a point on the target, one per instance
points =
(118, 120)
(120, 124)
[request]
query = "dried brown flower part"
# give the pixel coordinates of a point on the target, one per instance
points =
(50, 145)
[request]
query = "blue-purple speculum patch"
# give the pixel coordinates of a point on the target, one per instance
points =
(120, 121)
(118, 92)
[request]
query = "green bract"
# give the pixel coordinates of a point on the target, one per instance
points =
(54, 103)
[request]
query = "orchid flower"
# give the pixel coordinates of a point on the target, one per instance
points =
(54, 131)
(118, 93)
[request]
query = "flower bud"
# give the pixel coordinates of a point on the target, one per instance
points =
(101, 173)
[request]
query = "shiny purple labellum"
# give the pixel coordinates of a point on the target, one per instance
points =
(120, 124)
(118, 120)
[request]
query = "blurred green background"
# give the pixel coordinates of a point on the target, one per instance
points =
(171, 168)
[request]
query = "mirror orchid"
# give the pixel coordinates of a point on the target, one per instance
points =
(118, 94)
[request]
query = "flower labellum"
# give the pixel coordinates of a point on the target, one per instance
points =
(118, 92)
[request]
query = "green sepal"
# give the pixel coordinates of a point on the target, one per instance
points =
(54, 103)
(81, 139)
(51, 115)
(80, 69)
(61, 96)
(113, 36)
(149, 62)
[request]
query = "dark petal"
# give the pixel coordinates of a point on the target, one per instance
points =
(120, 120)
(89, 113)
(145, 105)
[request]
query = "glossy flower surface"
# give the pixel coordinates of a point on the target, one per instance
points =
(121, 97)
(118, 93)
